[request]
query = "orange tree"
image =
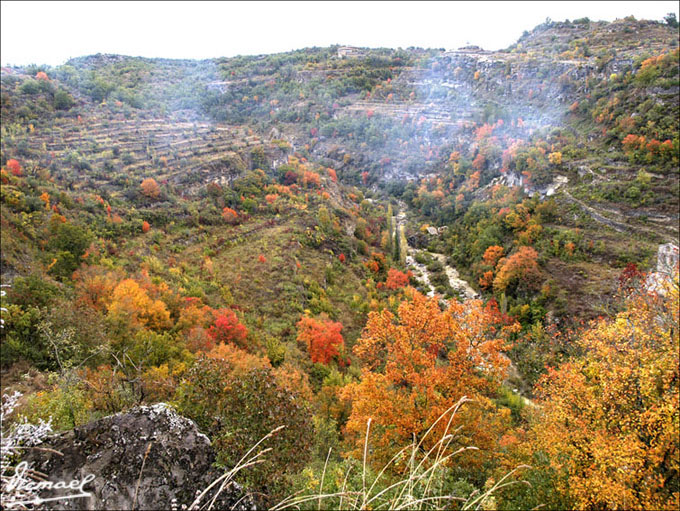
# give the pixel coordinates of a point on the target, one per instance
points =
(419, 363)
(609, 420)
(519, 272)
(150, 188)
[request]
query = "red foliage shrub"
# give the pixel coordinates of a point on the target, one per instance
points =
(323, 338)
(14, 167)
(228, 328)
(397, 279)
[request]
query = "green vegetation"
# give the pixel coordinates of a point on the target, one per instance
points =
(169, 227)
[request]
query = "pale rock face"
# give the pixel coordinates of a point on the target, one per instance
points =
(667, 259)
(178, 463)
(666, 268)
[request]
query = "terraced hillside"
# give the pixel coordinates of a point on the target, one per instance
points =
(181, 153)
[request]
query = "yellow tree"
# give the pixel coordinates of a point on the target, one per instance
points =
(609, 420)
(132, 303)
(418, 364)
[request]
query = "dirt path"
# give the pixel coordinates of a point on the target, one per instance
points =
(617, 225)
(456, 283)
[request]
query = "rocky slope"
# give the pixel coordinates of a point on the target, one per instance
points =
(147, 458)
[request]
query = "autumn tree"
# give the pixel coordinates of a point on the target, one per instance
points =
(486, 280)
(609, 419)
(241, 361)
(131, 303)
(555, 158)
(492, 255)
(518, 272)
(94, 286)
(227, 328)
(397, 279)
(150, 188)
(230, 216)
(322, 337)
(14, 167)
(311, 179)
(417, 364)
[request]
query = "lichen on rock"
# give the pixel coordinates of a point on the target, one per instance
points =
(147, 458)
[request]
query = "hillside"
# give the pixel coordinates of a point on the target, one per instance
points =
(252, 233)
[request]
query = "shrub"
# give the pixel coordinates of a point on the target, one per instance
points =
(237, 410)
(63, 100)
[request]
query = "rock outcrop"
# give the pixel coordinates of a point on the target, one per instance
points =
(667, 260)
(147, 458)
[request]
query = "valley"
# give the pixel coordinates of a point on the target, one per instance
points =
(400, 276)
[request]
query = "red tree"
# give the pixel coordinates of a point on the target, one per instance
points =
(322, 337)
(14, 167)
(397, 279)
(228, 328)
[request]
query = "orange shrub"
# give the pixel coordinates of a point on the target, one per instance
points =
(150, 188)
(322, 337)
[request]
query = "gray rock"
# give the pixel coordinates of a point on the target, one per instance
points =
(177, 463)
(667, 258)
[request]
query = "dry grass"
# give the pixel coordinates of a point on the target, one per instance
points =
(417, 489)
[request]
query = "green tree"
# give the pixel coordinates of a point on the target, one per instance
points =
(69, 242)
(238, 408)
(63, 100)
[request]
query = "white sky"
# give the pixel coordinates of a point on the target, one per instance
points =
(52, 32)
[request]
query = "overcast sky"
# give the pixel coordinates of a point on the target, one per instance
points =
(52, 32)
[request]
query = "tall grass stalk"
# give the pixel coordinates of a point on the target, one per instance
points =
(416, 490)
(225, 480)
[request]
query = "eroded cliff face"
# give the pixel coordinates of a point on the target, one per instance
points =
(147, 458)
